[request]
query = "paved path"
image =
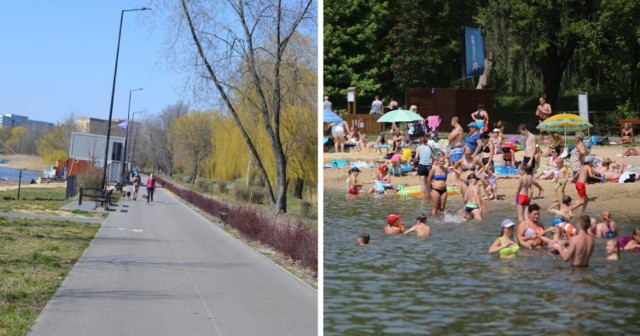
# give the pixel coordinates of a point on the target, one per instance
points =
(162, 269)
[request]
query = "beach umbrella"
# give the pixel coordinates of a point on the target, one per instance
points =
(564, 122)
(400, 116)
(330, 117)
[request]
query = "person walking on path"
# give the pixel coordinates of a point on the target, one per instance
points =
(151, 187)
(136, 186)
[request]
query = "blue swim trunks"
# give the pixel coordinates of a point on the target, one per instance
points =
(456, 154)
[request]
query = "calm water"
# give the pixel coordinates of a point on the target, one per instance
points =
(12, 175)
(448, 284)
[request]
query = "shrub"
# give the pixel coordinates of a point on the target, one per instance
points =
(305, 209)
(223, 187)
(90, 178)
(294, 240)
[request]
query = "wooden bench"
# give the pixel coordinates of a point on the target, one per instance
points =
(100, 196)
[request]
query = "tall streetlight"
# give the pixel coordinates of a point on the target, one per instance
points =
(126, 136)
(133, 148)
(113, 92)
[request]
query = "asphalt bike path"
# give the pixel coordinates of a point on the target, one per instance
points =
(163, 269)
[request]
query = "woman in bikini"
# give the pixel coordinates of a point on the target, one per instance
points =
(466, 166)
(481, 117)
(626, 134)
(578, 154)
(486, 151)
(609, 171)
(530, 230)
(438, 180)
(506, 244)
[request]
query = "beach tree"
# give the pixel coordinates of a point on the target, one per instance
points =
(235, 40)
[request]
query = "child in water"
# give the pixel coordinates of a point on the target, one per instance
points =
(394, 225)
(613, 250)
(421, 228)
(363, 239)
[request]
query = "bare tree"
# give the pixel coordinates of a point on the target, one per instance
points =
(159, 149)
(246, 41)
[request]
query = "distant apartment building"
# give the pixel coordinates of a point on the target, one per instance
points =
(14, 120)
(100, 126)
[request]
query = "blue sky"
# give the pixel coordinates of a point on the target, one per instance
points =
(58, 57)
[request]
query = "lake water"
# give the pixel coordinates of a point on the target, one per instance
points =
(449, 285)
(12, 175)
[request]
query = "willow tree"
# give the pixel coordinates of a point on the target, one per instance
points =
(229, 38)
(190, 136)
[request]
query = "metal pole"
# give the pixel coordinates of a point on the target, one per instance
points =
(126, 138)
(19, 183)
(113, 92)
(133, 148)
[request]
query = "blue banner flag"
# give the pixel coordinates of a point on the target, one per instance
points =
(124, 125)
(474, 51)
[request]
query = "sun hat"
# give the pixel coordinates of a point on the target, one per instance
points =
(392, 218)
(472, 124)
(496, 130)
(588, 158)
(383, 169)
(507, 223)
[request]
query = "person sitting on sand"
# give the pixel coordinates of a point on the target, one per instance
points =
(580, 247)
(506, 244)
(382, 181)
(394, 225)
(354, 185)
(613, 249)
(626, 134)
(607, 228)
(421, 228)
(473, 207)
(363, 239)
(396, 161)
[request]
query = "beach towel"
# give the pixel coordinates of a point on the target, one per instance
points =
(433, 121)
(359, 164)
(339, 163)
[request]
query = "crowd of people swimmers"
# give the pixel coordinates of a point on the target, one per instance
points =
(471, 159)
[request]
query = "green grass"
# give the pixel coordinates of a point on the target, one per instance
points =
(35, 257)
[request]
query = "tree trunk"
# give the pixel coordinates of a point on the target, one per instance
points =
(297, 190)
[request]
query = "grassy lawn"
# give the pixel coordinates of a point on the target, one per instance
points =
(35, 257)
(43, 201)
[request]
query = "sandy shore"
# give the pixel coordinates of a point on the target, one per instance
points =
(615, 197)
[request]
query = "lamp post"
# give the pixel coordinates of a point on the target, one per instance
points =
(133, 148)
(113, 91)
(126, 137)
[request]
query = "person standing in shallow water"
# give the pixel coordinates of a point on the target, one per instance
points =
(580, 246)
(151, 187)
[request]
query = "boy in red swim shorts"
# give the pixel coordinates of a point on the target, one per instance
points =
(522, 193)
(581, 183)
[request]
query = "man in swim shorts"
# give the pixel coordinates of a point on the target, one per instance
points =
(581, 183)
(455, 141)
(529, 149)
(580, 246)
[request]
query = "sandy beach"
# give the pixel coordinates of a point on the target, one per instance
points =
(27, 162)
(615, 197)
